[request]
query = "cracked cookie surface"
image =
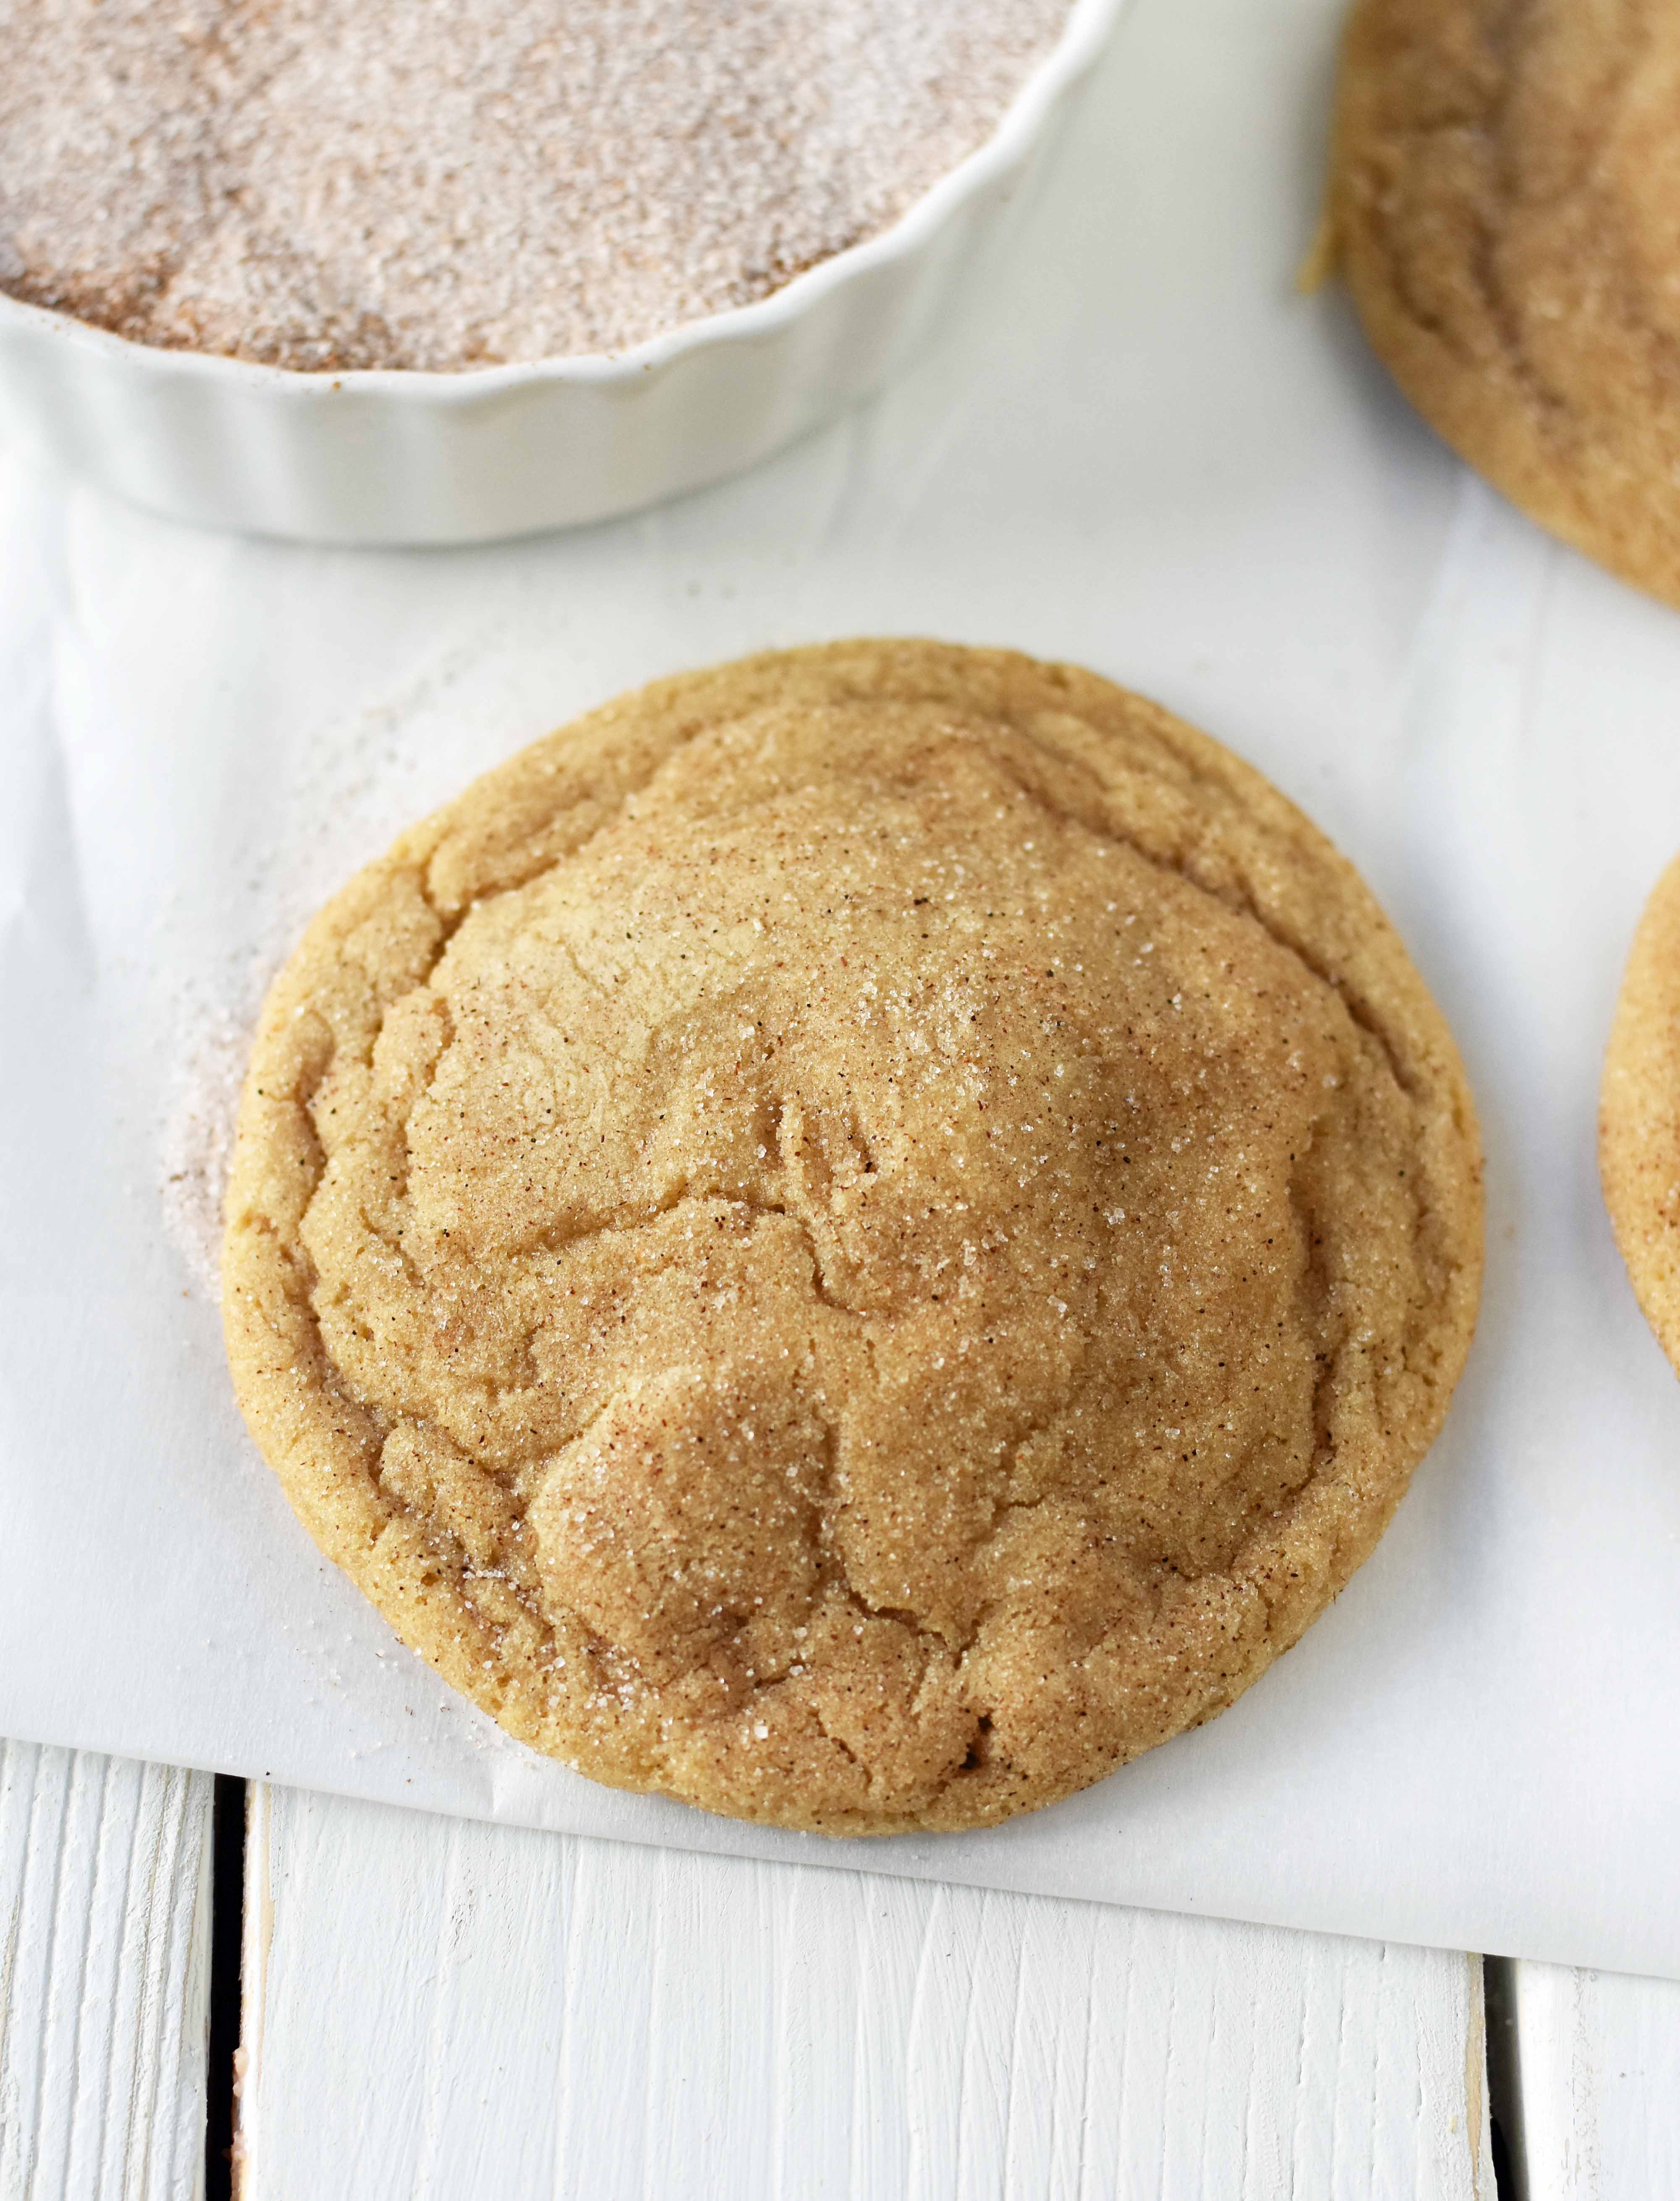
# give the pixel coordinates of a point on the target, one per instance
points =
(1505, 204)
(858, 1237)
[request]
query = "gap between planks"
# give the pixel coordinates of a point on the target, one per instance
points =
(880, 2030)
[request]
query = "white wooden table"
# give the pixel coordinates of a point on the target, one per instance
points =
(431, 2009)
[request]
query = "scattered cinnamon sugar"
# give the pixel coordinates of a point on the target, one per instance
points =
(197, 1143)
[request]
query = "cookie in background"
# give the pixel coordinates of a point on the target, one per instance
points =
(1639, 1114)
(1505, 207)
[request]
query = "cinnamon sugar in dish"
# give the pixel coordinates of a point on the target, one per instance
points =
(330, 185)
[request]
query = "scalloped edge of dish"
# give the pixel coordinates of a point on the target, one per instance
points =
(401, 457)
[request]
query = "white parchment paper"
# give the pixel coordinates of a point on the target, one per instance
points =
(1145, 452)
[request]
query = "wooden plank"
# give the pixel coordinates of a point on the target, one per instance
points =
(439, 2009)
(1599, 2079)
(104, 1976)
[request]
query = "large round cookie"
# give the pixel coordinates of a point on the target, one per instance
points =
(858, 1236)
(1639, 1114)
(1505, 206)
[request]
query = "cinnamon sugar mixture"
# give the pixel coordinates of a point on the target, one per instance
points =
(334, 183)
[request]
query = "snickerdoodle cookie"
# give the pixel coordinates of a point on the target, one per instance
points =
(1639, 1114)
(1505, 204)
(858, 1236)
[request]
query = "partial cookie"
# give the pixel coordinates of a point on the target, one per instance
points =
(1639, 1114)
(1505, 206)
(858, 1237)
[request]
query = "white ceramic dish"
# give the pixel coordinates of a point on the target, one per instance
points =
(396, 457)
